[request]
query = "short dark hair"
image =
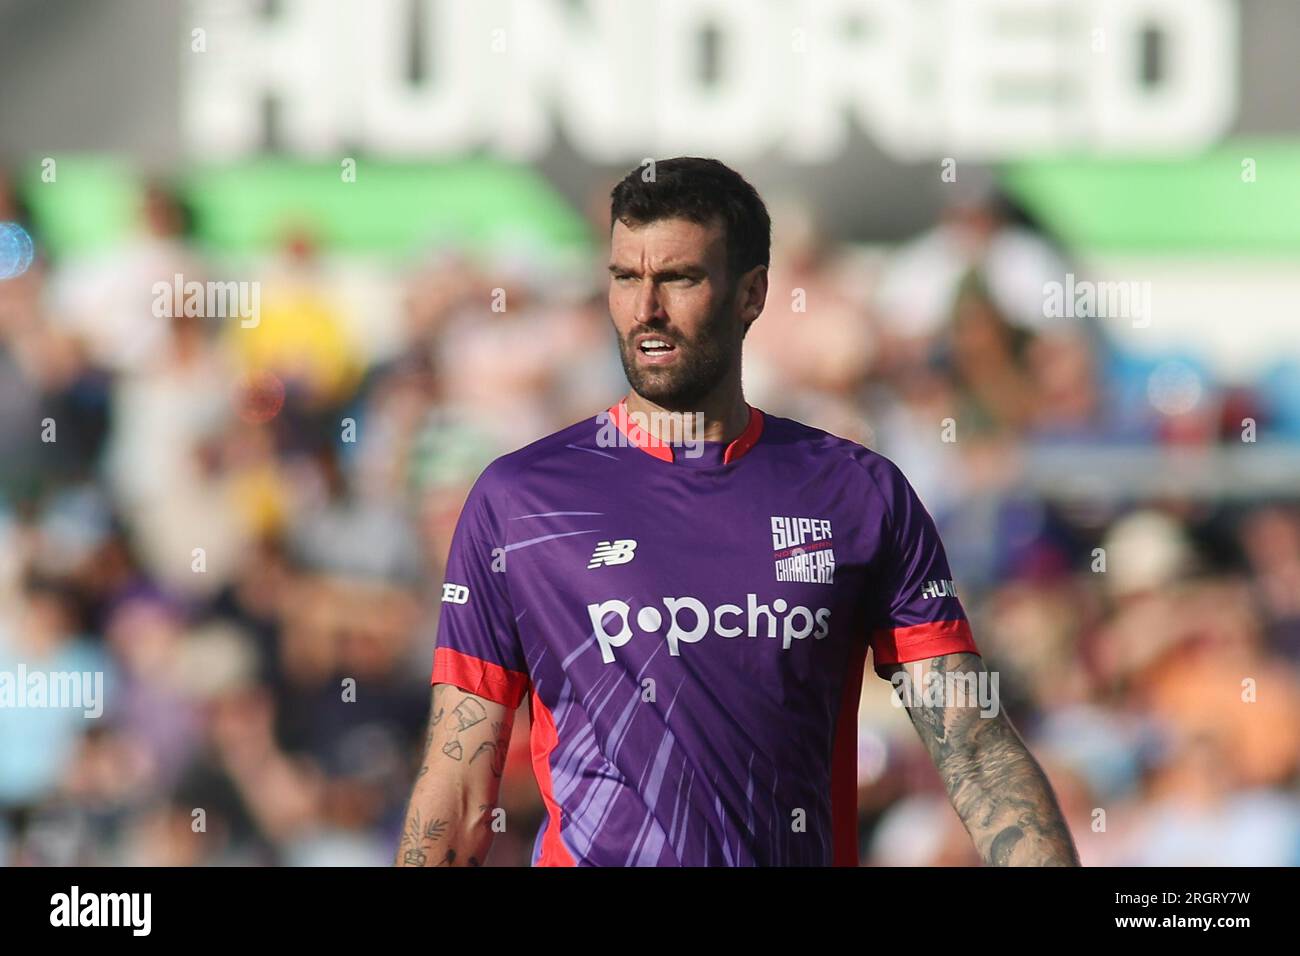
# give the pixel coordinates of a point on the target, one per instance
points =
(701, 191)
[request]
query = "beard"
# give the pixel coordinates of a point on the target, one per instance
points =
(703, 362)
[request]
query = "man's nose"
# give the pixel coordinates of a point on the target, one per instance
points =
(649, 308)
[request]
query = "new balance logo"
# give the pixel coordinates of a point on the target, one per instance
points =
(612, 552)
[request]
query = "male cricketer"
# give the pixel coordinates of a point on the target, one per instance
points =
(684, 590)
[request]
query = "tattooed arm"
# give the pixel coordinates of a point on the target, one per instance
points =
(448, 821)
(995, 785)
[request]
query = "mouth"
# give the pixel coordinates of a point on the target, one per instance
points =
(655, 349)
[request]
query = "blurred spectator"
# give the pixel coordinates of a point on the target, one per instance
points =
(109, 298)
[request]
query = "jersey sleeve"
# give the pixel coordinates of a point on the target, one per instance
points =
(478, 647)
(919, 615)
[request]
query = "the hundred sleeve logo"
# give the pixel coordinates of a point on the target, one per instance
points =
(938, 589)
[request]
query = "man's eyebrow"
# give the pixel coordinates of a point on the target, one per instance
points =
(685, 268)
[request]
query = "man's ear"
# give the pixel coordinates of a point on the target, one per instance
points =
(755, 298)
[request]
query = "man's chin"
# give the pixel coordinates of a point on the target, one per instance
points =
(678, 388)
(662, 388)
(669, 395)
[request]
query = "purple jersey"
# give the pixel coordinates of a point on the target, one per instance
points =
(691, 633)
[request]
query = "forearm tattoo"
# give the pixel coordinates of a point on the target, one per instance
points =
(450, 734)
(495, 750)
(997, 788)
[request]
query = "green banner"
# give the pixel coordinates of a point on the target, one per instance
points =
(1242, 197)
(388, 207)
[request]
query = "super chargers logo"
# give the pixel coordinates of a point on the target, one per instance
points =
(801, 549)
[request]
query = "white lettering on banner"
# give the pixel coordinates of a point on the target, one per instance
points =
(984, 78)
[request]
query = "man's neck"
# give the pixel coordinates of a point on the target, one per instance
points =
(719, 417)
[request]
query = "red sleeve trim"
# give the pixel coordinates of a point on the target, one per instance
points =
(480, 677)
(899, 645)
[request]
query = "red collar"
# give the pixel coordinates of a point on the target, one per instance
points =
(651, 445)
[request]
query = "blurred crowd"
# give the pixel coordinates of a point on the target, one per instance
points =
(243, 528)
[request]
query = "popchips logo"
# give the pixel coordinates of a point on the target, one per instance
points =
(611, 627)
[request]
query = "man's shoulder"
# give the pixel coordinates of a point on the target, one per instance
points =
(800, 441)
(566, 444)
